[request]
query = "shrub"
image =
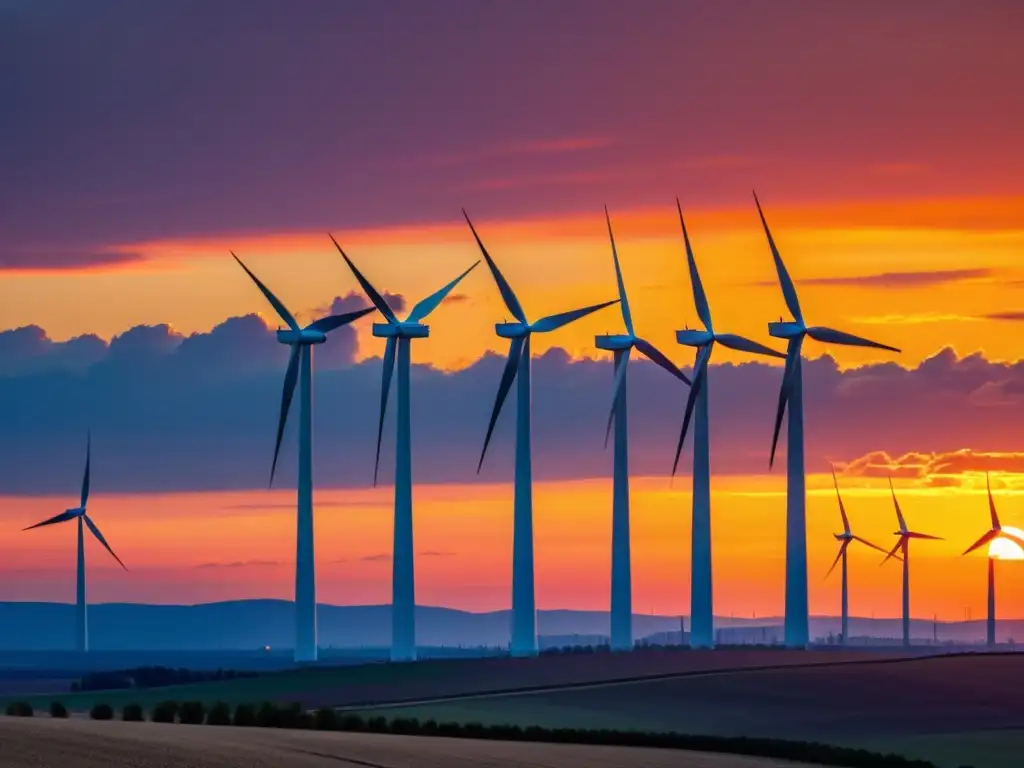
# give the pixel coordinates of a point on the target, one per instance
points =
(266, 715)
(405, 726)
(164, 712)
(377, 725)
(132, 713)
(192, 713)
(101, 712)
(245, 716)
(219, 714)
(19, 709)
(326, 719)
(352, 723)
(58, 710)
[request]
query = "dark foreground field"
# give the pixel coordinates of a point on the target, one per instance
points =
(954, 710)
(42, 743)
(324, 685)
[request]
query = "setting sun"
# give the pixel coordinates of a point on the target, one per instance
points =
(1002, 548)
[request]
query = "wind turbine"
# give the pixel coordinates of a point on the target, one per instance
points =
(621, 345)
(794, 331)
(903, 547)
(300, 371)
(844, 540)
(995, 532)
(524, 613)
(79, 513)
(702, 614)
(399, 335)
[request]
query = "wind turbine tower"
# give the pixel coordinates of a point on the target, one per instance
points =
(524, 607)
(300, 371)
(621, 345)
(791, 393)
(399, 335)
(80, 514)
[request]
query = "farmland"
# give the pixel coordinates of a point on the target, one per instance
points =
(953, 710)
(89, 744)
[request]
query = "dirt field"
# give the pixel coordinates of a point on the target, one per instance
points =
(380, 683)
(44, 743)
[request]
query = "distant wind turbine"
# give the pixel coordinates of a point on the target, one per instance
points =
(79, 513)
(621, 345)
(794, 331)
(702, 618)
(399, 335)
(844, 540)
(524, 613)
(300, 371)
(995, 532)
(903, 547)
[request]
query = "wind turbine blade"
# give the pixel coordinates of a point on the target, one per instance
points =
(507, 294)
(554, 322)
(620, 377)
(515, 351)
(385, 390)
(291, 378)
(894, 550)
(700, 299)
(98, 535)
(88, 461)
(832, 336)
(280, 308)
(369, 290)
(732, 341)
(842, 509)
(916, 535)
(842, 549)
(699, 380)
(899, 512)
(331, 322)
(982, 541)
(794, 349)
(429, 304)
(653, 354)
(627, 317)
(55, 519)
(992, 505)
(868, 543)
(788, 289)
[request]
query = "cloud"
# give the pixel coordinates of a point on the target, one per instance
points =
(923, 318)
(58, 258)
(435, 553)
(382, 557)
(1010, 316)
(937, 469)
(241, 564)
(897, 280)
(512, 149)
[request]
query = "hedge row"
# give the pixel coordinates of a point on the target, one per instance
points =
(269, 715)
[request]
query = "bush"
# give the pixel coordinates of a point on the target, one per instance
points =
(405, 727)
(245, 716)
(58, 710)
(266, 715)
(164, 712)
(219, 714)
(377, 725)
(19, 709)
(192, 713)
(326, 719)
(132, 713)
(352, 723)
(101, 712)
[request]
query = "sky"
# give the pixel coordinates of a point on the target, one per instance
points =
(143, 142)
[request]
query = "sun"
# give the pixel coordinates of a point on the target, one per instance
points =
(1002, 548)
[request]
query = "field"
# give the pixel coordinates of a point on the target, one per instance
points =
(87, 744)
(391, 683)
(954, 710)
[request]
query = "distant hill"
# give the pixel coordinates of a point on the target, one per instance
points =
(252, 624)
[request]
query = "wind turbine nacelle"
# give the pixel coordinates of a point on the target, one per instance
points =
(786, 330)
(305, 336)
(614, 342)
(77, 511)
(693, 338)
(511, 330)
(401, 330)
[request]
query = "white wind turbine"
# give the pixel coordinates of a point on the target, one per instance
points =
(794, 331)
(844, 539)
(300, 371)
(995, 532)
(621, 345)
(399, 335)
(903, 547)
(524, 612)
(79, 513)
(702, 613)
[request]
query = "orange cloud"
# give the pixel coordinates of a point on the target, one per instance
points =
(944, 469)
